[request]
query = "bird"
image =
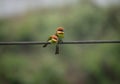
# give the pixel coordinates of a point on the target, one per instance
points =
(60, 35)
(53, 39)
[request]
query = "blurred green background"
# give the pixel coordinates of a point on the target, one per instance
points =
(76, 64)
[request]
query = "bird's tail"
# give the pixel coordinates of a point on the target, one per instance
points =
(57, 49)
(45, 45)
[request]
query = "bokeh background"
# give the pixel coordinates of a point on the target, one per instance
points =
(35, 20)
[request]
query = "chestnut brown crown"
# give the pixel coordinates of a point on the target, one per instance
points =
(60, 29)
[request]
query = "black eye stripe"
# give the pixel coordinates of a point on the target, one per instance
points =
(60, 30)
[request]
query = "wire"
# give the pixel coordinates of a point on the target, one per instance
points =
(66, 42)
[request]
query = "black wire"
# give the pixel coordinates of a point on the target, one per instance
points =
(66, 42)
(93, 42)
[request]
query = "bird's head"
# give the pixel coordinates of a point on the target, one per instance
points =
(60, 29)
(54, 38)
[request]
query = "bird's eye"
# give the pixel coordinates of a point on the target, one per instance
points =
(61, 30)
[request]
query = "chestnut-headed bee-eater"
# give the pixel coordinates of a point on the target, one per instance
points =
(60, 34)
(52, 39)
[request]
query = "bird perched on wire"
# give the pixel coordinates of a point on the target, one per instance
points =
(52, 39)
(60, 35)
